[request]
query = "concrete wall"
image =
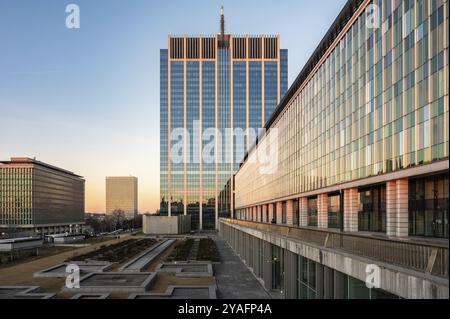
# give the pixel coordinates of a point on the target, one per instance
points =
(166, 224)
(405, 283)
(21, 245)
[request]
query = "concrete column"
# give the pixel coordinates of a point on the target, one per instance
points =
(397, 208)
(328, 283)
(290, 212)
(303, 211)
(402, 207)
(322, 210)
(279, 212)
(391, 218)
(264, 212)
(270, 212)
(351, 210)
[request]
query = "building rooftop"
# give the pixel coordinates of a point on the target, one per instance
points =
(33, 161)
(19, 240)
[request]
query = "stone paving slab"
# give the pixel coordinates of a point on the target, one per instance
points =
(144, 259)
(23, 292)
(181, 292)
(59, 271)
(125, 282)
(91, 296)
(234, 280)
(187, 269)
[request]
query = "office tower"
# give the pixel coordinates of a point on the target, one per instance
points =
(222, 82)
(361, 178)
(122, 195)
(40, 198)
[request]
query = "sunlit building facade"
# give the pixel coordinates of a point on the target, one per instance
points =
(362, 144)
(221, 82)
(39, 198)
(122, 195)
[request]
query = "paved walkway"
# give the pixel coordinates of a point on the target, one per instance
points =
(234, 280)
(144, 259)
(194, 250)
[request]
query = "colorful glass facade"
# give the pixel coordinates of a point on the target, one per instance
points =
(375, 102)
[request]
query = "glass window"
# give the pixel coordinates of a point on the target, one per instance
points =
(372, 209)
(306, 278)
(312, 211)
(334, 211)
(428, 206)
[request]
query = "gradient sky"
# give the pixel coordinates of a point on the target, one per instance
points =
(87, 100)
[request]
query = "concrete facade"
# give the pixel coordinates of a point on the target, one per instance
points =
(166, 225)
(398, 281)
(55, 200)
(351, 210)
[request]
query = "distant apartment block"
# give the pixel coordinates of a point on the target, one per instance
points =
(122, 194)
(40, 198)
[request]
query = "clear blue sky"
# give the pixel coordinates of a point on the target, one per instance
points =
(88, 99)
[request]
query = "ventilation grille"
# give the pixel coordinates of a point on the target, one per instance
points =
(193, 49)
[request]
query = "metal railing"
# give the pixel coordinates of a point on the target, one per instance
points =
(427, 257)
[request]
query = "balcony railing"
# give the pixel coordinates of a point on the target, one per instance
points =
(426, 257)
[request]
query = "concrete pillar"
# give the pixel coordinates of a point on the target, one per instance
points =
(391, 218)
(322, 210)
(397, 208)
(328, 283)
(290, 212)
(264, 213)
(279, 212)
(351, 210)
(340, 282)
(303, 211)
(270, 212)
(319, 281)
(402, 207)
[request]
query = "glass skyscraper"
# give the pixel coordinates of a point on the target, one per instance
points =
(222, 82)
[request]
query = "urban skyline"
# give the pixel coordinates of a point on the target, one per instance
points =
(129, 88)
